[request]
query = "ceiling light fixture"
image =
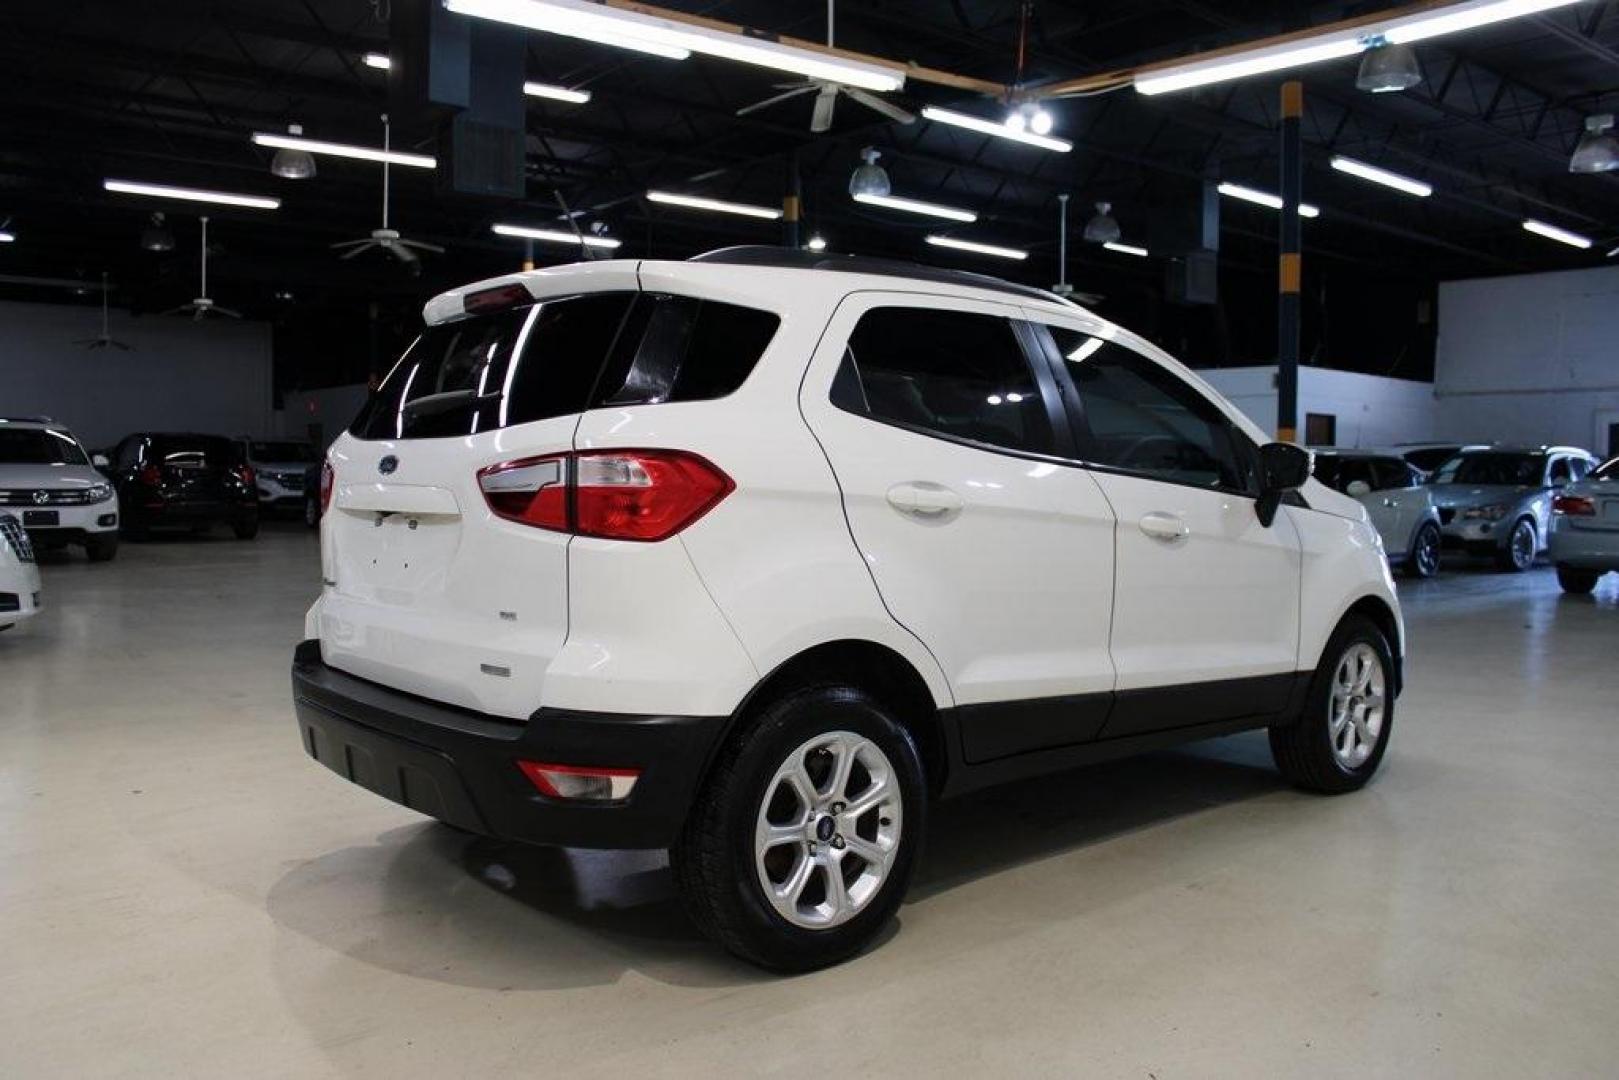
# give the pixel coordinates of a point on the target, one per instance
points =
(817, 243)
(343, 150)
(380, 61)
(555, 236)
(977, 248)
(1598, 151)
(917, 206)
(1127, 249)
(1382, 176)
(7, 237)
(1239, 62)
(698, 202)
(165, 191)
(677, 38)
(556, 93)
(156, 236)
(1562, 236)
(1265, 198)
(1388, 68)
(293, 164)
(1003, 131)
(869, 178)
(1102, 228)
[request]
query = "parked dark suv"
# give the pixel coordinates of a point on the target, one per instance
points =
(184, 480)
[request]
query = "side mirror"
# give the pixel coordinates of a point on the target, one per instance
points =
(100, 461)
(1283, 467)
(1357, 488)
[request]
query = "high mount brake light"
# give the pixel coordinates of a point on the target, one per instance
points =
(642, 495)
(1574, 506)
(499, 298)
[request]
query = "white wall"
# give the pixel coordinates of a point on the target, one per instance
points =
(1532, 358)
(1371, 411)
(179, 375)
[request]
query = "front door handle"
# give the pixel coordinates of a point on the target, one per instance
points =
(1170, 528)
(923, 499)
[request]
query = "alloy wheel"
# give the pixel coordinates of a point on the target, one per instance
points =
(1427, 553)
(828, 830)
(1358, 705)
(1523, 545)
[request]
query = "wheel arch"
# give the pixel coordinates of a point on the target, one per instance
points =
(1378, 611)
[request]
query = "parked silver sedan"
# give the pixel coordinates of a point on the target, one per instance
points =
(1585, 529)
(1498, 501)
(1401, 508)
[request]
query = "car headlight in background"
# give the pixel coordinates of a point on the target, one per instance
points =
(99, 492)
(1494, 512)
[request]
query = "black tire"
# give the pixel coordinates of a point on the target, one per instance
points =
(102, 547)
(1519, 553)
(714, 860)
(245, 528)
(1422, 561)
(1303, 750)
(1577, 582)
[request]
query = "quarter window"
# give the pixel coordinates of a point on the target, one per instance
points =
(953, 373)
(1137, 416)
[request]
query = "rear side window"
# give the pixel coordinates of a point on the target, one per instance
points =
(561, 357)
(952, 373)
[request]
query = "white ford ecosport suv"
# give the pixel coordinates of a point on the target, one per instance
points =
(751, 556)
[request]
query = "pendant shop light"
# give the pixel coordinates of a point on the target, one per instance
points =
(1598, 151)
(292, 164)
(1104, 227)
(1388, 69)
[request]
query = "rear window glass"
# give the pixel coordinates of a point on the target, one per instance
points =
(564, 356)
(192, 450)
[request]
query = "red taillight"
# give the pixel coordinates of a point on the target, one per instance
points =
(586, 783)
(151, 475)
(246, 475)
(1574, 505)
(327, 482)
(497, 299)
(644, 495)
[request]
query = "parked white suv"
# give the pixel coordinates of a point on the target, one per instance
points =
(751, 556)
(48, 481)
(20, 596)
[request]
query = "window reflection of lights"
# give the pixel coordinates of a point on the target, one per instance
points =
(1085, 351)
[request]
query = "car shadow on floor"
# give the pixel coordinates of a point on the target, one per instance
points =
(481, 912)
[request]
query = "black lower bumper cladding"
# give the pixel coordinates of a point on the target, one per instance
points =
(460, 766)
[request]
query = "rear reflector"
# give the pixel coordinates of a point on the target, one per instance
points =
(642, 495)
(1574, 506)
(580, 783)
(497, 299)
(327, 482)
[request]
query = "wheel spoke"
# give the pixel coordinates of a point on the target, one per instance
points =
(837, 896)
(771, 835)
(873, 855)
(876, 793)
(788, 892)
(798, 778)
(843, 764)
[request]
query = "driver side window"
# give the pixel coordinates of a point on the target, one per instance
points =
(1138, 417)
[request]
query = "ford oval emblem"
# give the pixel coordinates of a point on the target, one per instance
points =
(387, 465)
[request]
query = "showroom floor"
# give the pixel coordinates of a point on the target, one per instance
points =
(182, 892)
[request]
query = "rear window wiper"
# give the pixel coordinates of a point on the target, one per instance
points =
(433, 404)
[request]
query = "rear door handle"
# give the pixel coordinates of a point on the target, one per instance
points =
(1170, 528)
(923, 499)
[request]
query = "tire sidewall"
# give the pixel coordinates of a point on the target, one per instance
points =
(782, 729)
(1317, 715)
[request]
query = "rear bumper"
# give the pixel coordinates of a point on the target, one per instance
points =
(1585, 549)
(460, 766)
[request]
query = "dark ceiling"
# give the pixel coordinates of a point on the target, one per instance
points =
(169, 91)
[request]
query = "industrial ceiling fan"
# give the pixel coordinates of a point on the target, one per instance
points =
(826, 95)
(202, 305)
(385, 238)
(106, 340)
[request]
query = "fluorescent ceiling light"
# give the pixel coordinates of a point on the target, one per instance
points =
(1126, 249)
(377, 60)
(556, 93)
(7, 238)
(1382, 176)
(697, 202)
(1335, 44)
(1265, 198)
(556, 236)
(165, 191)
(916, 206)
(650, 33)
(977, 248)
(1562, 236)
(361, 153)
(991, 127)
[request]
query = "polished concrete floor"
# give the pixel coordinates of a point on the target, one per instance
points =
(182, 892)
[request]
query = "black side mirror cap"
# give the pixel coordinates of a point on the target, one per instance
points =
(1283, 467)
